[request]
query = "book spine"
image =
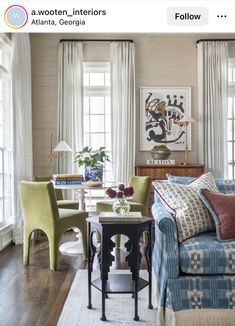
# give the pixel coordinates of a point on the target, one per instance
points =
(67, 182)
(113, 219)
(120, 222)
(67, 179)
(67, 176)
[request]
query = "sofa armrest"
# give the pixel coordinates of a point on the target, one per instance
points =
(165, 252)
(163, 218)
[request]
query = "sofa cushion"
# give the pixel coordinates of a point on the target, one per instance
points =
(226, 186)
(183, 201)
(222, 209)
(179, 179)
(204, 254)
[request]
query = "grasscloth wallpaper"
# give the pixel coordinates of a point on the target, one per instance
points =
(161, 60)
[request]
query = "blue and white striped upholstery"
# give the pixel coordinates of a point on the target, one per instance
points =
(225, 186)
(195, 292)
(165, 257)
(199, 273)
(204, 254)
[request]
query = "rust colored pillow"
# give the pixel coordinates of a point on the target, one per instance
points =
(222, 209)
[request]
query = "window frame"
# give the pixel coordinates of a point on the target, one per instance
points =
(98, 91)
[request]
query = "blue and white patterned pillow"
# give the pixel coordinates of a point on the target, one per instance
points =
(179, 179)
(226, 186)
(183, 201)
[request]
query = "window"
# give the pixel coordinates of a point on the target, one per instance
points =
(97, 110)
(5, 133)
(231, 119)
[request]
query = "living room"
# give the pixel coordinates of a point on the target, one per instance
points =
(161, 61)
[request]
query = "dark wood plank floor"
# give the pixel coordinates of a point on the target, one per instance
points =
(34, 295)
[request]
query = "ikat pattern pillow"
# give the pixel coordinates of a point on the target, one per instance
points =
(183, 201)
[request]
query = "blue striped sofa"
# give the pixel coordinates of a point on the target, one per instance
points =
(194, 281)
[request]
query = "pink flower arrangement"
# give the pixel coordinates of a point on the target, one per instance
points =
(121, 192)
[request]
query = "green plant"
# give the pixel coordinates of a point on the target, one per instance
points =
(91, 158)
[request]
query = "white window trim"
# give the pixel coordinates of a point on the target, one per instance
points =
(96, 90)
(231, 93)
(96, 67)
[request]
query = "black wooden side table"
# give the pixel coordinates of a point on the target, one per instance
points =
(119, 283)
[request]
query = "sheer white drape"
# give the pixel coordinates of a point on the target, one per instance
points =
(22, 123)
(123, 109)
(212, 105)
(70, 102)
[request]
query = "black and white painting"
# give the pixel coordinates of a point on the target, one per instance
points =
(160, 110)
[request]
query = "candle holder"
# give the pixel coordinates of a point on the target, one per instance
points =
(184, 122)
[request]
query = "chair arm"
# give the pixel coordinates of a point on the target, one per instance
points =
(165, 253)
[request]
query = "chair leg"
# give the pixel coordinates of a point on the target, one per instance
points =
(26, 248)
(53, 253)
(117, 241)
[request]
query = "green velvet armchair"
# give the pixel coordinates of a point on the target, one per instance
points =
(61, 202)
(139, 203)
(40, 211)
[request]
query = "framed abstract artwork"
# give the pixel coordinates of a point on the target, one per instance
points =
(160, 110)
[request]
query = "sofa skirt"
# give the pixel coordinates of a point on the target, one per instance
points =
(190, 317)
(202, 317)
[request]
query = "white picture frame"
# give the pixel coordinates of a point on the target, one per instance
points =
(160, 109)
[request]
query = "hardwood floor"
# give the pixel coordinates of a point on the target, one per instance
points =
(34, 295)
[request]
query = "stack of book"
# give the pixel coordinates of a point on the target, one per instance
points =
(67, 179)
(130, 217)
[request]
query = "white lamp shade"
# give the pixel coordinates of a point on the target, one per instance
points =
(186, 119)
(62, 146)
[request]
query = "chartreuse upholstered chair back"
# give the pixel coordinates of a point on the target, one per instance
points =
(58, 192)
(39, 205)
(139, 202)
(61, 202)
(142, 187)
(40, 212)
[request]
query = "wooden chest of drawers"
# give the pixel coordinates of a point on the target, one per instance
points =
(158, 172)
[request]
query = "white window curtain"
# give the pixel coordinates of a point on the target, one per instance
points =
(212, 105)
(22, 123)
(70, 102)
(123, 110)
(6, 133)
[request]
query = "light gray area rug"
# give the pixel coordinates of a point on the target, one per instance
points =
(119, 307)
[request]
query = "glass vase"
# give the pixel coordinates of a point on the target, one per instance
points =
(121, 206)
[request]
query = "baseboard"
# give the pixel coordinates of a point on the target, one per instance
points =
(6, 235)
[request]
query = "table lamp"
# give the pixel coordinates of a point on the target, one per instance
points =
(184, 122)
(60, 149)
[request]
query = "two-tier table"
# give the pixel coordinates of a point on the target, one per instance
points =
(119, 283)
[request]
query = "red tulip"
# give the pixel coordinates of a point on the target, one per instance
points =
(111, 193)
(121, 187)
(131, 191)
(128, 191)
(119, 194)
